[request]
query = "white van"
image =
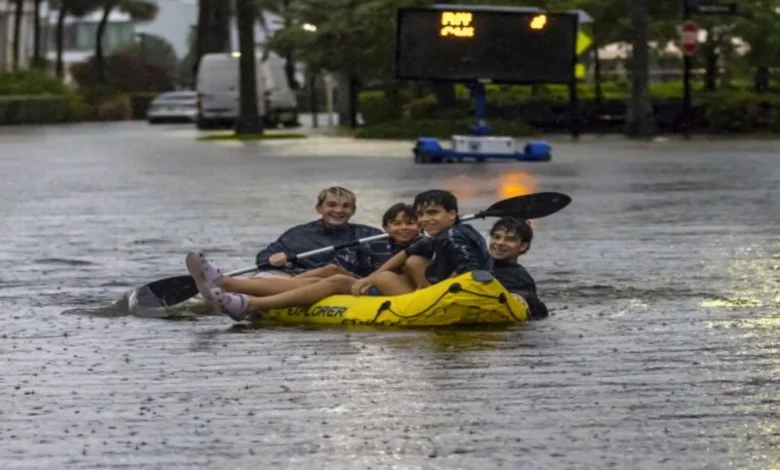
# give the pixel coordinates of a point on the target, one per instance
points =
(217, 85)
(282, 104)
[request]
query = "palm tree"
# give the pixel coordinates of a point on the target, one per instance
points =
(287, 14)
(139, 10)
(641, 119)
(77, 8)
(249, 122)
(18, 13)
(213, 31)
(37, 62)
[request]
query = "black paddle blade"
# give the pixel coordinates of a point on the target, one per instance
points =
(173, 290)
(530, 206)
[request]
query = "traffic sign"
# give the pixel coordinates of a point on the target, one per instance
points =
(689, 37)
(583, 42)
(696, 6)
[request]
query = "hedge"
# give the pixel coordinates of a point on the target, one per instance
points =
(439, 128)
(726, 111)
(31, 83)
(43, 109)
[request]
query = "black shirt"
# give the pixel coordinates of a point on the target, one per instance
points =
(513, 277)
(371, 256)
(315, 235)
(457, 250)
(516, 280)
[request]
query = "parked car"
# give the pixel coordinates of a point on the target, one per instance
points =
(173, 106)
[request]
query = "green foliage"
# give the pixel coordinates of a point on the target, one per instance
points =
(154, 50)
(125, 73)
(439, 128)
(421, 108)
(139, 10)
(374, 108)
(741, 111)
(31, 82)
(42, 109)
(352, 36)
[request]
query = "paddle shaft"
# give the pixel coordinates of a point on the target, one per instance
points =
(328, 249)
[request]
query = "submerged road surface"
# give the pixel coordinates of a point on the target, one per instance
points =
(663, 350)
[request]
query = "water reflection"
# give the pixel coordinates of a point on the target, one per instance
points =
(507, 184)
(516, 183)
(749, 328)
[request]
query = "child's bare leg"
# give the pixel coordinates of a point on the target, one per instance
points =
(305, 295)
(262, 286)
(414, 268)
(323, 272)
(389, 283)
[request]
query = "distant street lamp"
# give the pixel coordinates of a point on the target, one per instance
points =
(308, 27)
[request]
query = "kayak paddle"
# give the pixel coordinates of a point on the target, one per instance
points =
(174, 290)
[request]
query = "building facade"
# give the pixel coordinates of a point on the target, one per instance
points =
(7, 14)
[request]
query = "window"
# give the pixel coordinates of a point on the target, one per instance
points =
(86, 36)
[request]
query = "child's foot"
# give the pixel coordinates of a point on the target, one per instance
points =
(206, 276)
(236, 306)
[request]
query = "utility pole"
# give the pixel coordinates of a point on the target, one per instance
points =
(248, 122)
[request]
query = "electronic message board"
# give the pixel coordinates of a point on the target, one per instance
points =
(500, 45)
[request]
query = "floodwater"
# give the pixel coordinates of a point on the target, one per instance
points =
(662, 351)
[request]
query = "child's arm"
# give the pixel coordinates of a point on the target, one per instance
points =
(465, 253)
(393, 264)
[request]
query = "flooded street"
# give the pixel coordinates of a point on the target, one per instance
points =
(662, 276)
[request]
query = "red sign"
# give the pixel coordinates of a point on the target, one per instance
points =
(689, 37)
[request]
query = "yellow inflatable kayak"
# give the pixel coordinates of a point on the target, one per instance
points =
(470, 299)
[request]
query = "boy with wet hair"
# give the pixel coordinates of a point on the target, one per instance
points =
(510, 238)
(258, 294)
(336, 205)
(451, 248)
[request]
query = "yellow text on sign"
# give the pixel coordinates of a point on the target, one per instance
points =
(538, 22)
(457, 23)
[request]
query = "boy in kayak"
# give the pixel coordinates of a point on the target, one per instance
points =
(336, 205)
(233, 294)
(456, 247)
(509, 239)
(452, 248)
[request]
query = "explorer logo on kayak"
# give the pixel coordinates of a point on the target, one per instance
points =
(317, 312)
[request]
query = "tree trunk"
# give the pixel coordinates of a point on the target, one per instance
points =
(220, 25)
(201, 33)
(17, 45)
(289, 69)
(761, 80)
(60, 68)
(711, 70)
(640, 121)
(289, 63)
(37, 60)
(213, 30)
(346, 105)
(597, 74)
(249, 122)
(100, 60)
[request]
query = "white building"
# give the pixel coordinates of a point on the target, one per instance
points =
(80, 36)
(7, 13)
